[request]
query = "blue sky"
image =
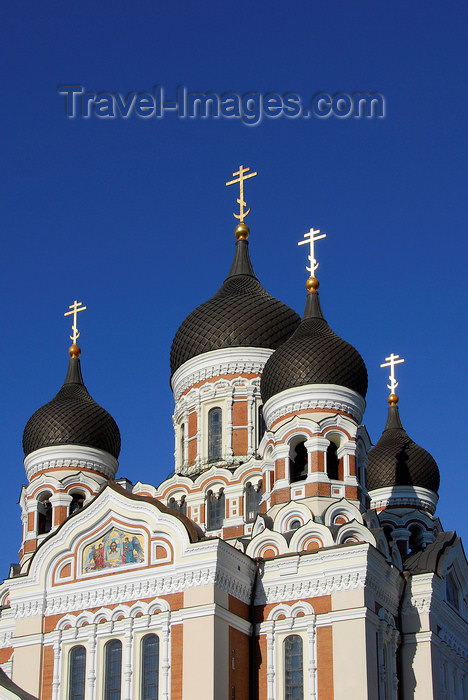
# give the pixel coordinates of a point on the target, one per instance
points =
(132, 217)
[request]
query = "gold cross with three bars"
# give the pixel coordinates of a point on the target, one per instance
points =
(76, 307)
(391, 362)
(241, 172)
(310, 238)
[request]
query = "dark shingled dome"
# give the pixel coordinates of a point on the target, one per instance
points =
(314, 354)
(398, 461)
(240, 314)
(72, 418)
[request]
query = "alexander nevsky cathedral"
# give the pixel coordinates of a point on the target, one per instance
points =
(286, 558)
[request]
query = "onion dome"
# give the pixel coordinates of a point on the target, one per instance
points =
(398, 461)
(72, 418)
(314, 354)
(240, 314)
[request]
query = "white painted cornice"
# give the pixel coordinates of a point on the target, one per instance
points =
(217, 363)
(403, 496)
(70, 457)
(312, 396)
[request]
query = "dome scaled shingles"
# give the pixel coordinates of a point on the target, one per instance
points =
(314, 354)
(72, 418)
(240, 314)
(398, 461)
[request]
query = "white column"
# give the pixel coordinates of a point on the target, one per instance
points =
(198, 459)
(165, 659)
(92, 643)
(229, 428)
(57, 662)
(186, 440)
(312, 667)
(271, 662)
(251, 422)
(128, 672)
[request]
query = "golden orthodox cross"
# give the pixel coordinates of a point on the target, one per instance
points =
(391, 362)
(310, 238)
(242, 176)
(76, 307)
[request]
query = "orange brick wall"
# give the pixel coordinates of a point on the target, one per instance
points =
(47, 673)
(239, 676)
(240, 441)
(238, 607)
(261, 664)
(177, 661)
(60, 513)
(239, 413)
(5, 655)
(325, 663)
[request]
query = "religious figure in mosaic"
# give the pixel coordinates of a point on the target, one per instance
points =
(114, 549)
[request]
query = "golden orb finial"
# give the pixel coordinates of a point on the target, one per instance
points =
(312, 284)
(242, 232)
(74, 350)
(393, 399)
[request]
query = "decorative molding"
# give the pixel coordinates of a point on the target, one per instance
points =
(313, 396)
(70, 457)
(122, 592)
(218, 363)
(403, 496)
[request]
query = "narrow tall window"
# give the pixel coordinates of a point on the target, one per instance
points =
(44, 514)
(253, 496)
(293, 668)
(298, 463)
(150, 667)
(216, 505)
(77, 685)
(113, 670)
(182, 444)
(77, 502)
(215, 434)
(332, 461)
(261, 427)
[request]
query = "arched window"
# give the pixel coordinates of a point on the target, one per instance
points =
(77, 685)
(77, 502)
(150, 667)
(215, 434)
(298, 463)
(261, 427)
(44, 513)
(253, 496)
(332, 461)
(295, 524)
(113, 670)
(216, 505)
(293, 668)
(179, 506)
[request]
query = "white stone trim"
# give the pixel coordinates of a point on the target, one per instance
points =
(217, 363)
(70, 457)
(322, 396)
(403, 496)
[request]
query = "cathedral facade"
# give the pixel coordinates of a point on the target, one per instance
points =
(285, 559)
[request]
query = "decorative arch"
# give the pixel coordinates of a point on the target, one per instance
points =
(343, 508)
(310, 537)
(289, 512)
(268, 538)
(354, 532)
